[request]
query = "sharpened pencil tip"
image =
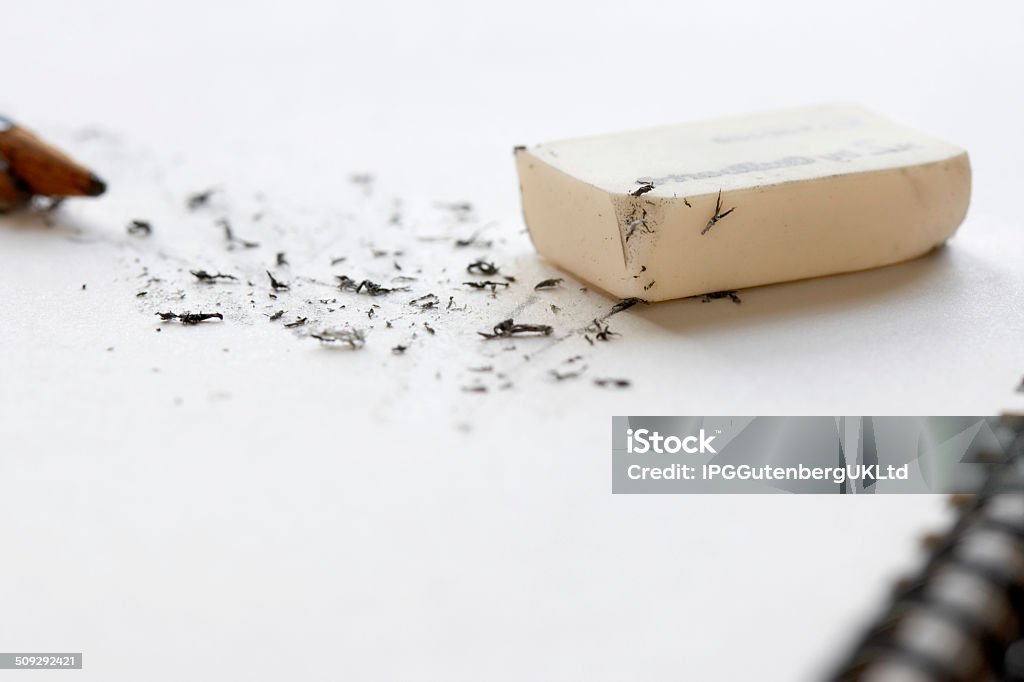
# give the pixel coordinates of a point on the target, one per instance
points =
(96, 186)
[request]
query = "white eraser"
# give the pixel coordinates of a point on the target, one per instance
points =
(705, 207)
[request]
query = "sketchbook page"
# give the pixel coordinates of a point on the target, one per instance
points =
(234, 487)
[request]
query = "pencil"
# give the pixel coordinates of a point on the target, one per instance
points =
(30, 167)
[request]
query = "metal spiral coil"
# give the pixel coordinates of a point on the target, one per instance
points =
(961, 619)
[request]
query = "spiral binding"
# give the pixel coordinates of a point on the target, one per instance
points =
(961, 619)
